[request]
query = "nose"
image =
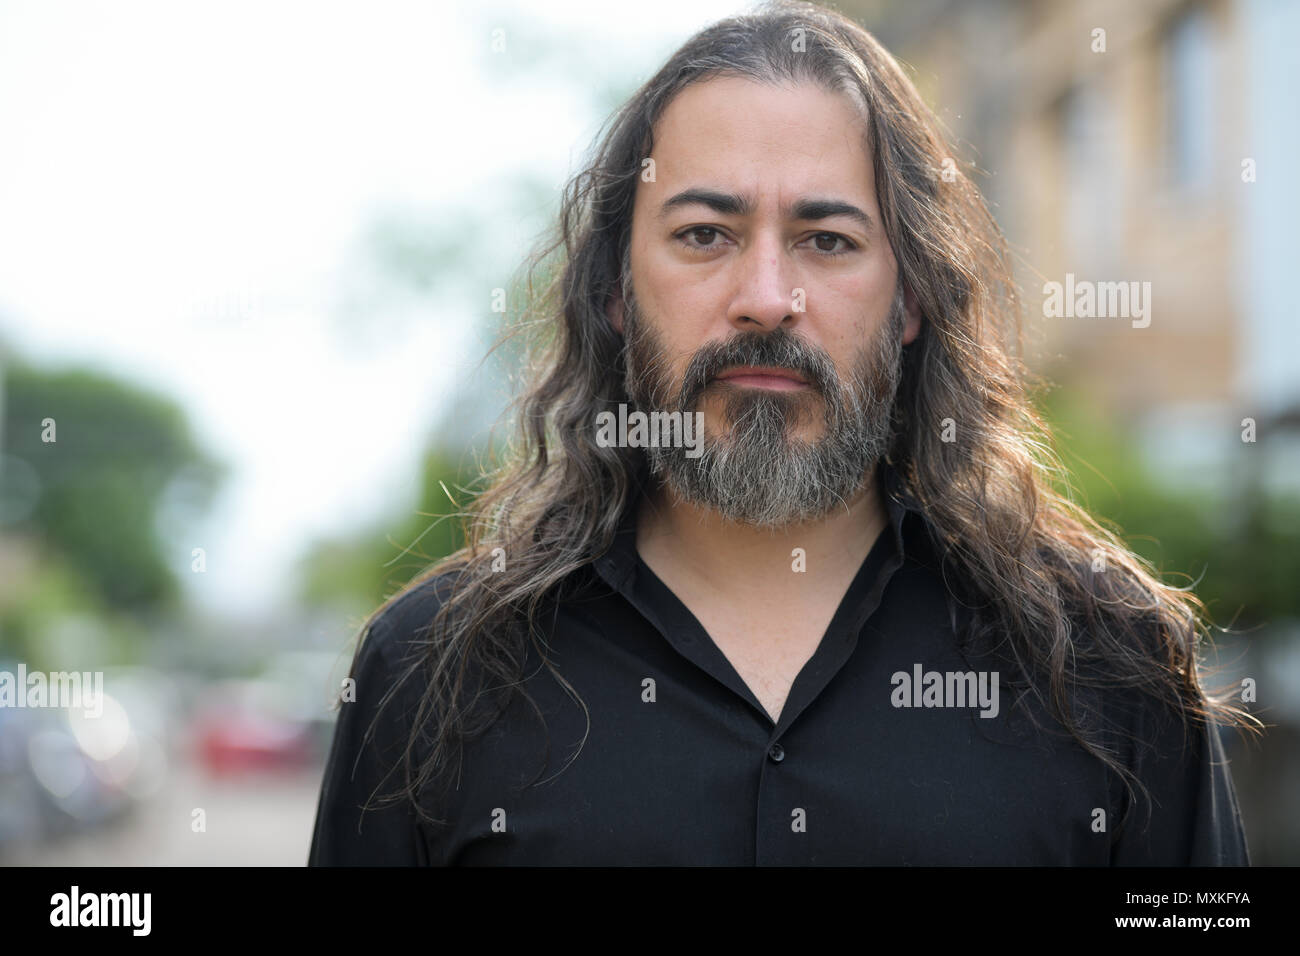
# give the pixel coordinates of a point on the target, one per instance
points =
(764, 295)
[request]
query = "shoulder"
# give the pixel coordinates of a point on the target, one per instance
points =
(365, 814)
(413, 655)
(403, 624)
(390, 650)
(1137, 680)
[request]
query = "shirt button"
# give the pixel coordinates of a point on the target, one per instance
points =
(777, 753)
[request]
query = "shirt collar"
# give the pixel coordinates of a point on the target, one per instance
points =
(616, 565)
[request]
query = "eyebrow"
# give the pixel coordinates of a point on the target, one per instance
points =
(732, 204)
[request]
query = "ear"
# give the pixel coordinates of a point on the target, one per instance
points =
(614, 309)
(913, 310)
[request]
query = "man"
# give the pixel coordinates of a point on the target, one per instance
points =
(853, 624)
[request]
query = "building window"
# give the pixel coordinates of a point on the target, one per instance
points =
(1190, 97)
(1093, 212)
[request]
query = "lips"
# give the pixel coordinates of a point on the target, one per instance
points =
(761, 373)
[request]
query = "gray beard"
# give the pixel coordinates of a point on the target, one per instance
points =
(754, 474)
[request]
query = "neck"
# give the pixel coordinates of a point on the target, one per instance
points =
(739, 559)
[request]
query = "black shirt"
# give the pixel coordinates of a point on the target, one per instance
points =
(675, 762)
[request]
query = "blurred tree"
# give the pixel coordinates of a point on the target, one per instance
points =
(425, 258)
(363, 569)
(87, 460)
(1239, 551)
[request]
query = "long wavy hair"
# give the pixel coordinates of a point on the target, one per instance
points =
(1021, 554)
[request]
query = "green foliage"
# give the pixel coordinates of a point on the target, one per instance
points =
(116, 448)
(364, 569)
(1237, 548)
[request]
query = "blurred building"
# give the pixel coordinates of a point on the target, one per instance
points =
(1138, 141)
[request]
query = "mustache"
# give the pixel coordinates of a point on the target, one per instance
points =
(779, 349)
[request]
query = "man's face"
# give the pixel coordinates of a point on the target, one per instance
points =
(759, 248)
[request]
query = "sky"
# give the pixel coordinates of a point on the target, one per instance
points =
(185, 189)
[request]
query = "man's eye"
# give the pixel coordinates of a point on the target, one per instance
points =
(709, 234)
(823, 238)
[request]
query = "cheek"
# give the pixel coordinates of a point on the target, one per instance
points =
(865, 306)
(844, 337)
(683, 325)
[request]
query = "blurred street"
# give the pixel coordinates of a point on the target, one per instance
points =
(262, 819)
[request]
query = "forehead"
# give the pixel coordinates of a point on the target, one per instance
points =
(778, 140)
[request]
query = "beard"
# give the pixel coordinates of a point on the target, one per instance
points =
(753, 472)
